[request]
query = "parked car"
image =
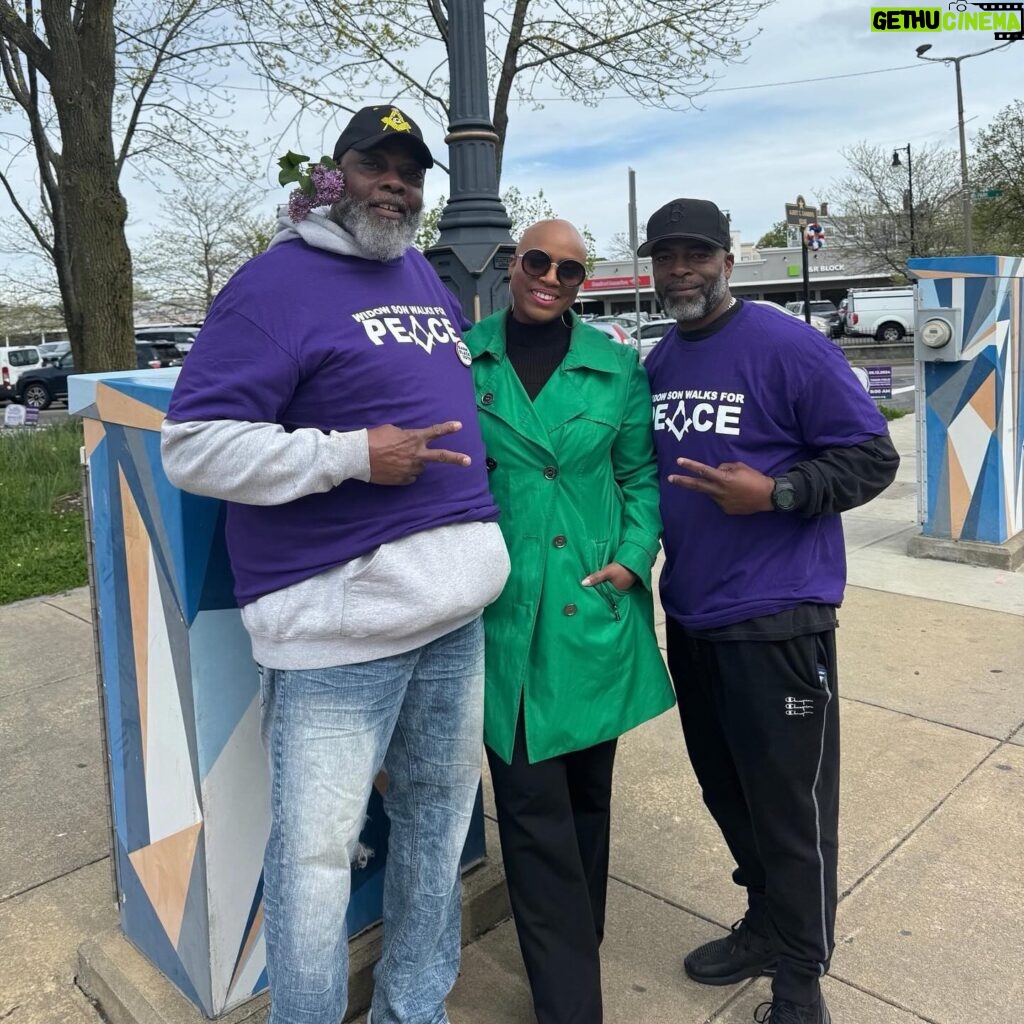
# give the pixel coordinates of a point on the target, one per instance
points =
(51, 351)
(41, 387)
(627, 321)
(839, 326)
(613, 330)
(816, 321)
(885, 314)
(158, 354)
(650, 334)
(181, 337)
(819, 307)
(14, 361)
(824, 309)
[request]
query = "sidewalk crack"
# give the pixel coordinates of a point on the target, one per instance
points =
(66, 611)
(891, 852)
(923, 718)
(7, 897)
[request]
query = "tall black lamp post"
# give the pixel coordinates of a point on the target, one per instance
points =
(964, 182)
(474, 247)
(910, 189)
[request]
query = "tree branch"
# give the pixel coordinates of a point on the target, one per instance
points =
(19, 34)
(44, 243)
(147, 83)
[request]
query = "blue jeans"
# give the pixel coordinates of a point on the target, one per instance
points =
(327, 732)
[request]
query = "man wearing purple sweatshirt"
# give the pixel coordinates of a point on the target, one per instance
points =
(328, 400)
(763, 436)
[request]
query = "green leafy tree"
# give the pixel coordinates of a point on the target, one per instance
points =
(776, 237)
(660, 53)
(998, 167)
(101, 85)
(428, 231)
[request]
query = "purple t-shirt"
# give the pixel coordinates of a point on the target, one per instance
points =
(309, 338)
(769, 391)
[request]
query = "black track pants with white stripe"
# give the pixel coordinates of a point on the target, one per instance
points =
(761, 721)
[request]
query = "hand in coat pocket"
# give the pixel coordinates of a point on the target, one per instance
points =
(614, 573)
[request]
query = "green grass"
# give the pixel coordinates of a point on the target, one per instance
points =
(890, 413)
(42, 532)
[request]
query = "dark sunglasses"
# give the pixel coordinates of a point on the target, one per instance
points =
(536, 263)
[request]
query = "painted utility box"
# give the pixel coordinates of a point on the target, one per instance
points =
(187, 772)
(969, 346)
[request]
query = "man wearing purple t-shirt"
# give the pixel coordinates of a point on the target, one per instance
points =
(362, 558)
(764, 436)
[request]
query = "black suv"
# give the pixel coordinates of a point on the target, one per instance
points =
(39, 389)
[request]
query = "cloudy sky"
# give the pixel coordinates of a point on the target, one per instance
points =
(815, 79)
(754, 142)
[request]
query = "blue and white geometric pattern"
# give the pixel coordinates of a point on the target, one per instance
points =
(189, 779)
(974, 409)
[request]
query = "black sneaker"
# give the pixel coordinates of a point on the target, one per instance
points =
(743, 953)
(782, 1011)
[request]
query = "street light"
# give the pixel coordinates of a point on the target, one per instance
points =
(910, 188)
(474, 249)
(964, 184)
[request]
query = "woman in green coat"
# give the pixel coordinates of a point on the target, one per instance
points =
(572, 660)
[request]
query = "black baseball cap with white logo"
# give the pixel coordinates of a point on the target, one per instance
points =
(696, 219)
(370, 126)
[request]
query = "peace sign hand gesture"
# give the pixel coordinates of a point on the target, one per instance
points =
(398, 456)
(737, 489)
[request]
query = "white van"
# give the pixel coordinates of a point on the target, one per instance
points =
(886, 314)
(14, 362)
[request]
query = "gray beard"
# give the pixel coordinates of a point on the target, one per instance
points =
(684, 310)
(381, 240)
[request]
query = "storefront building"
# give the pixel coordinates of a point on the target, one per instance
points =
(773, 274)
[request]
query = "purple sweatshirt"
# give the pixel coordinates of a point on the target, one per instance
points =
(306, 337)
(769, 391)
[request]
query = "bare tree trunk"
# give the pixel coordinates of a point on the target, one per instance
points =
(96, 213)
(82, 77)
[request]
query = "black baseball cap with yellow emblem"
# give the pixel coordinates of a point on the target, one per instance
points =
(370, 126)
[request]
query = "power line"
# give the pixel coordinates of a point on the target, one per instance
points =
(623, 96)
(826, 78)
(764, 85)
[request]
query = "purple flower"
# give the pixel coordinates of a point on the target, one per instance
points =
(299, 204)
(325, 185)
(329, 185)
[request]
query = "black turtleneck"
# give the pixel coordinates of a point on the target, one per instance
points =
(535, 350)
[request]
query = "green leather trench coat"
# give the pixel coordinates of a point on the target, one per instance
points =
(574, 475)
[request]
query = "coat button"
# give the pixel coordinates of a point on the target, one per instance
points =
(559, 541)
(569, 609)
(487, 398)
(491, 463)
(550, 472)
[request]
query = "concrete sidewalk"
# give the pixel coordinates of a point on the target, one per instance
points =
(932, 853)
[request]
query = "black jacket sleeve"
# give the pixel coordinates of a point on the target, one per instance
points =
(843, 478)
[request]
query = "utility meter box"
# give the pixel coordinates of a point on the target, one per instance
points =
(939, 336)
(969, 349)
